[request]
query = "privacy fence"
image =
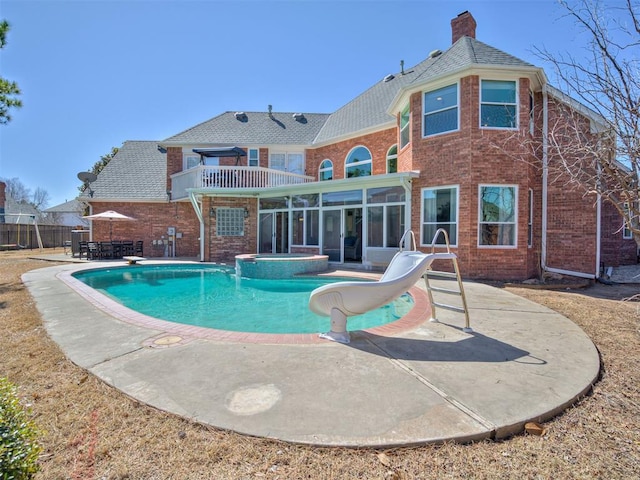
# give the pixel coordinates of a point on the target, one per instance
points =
(24, 236)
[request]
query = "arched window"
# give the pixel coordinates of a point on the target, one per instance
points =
(326, 170)
(392, 159)
(358, 163)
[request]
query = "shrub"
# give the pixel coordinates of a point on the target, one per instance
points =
(18, 448)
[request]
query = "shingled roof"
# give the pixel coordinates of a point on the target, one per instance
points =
(137, 172)
(369, 110)
(254, 128)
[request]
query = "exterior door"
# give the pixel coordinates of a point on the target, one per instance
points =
(342, 234)
(273, 236)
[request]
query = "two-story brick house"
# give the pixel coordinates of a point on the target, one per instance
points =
(429, 147)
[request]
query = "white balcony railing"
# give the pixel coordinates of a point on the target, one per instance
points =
(224, 177)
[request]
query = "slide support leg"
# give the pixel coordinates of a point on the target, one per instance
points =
(338, 331)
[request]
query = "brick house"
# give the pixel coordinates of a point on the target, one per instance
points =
(415, 151)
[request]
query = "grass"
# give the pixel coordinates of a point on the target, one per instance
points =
(92, 431)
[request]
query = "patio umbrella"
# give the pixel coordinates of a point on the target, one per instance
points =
(111, 216)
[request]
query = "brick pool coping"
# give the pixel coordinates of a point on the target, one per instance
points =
(420, 312)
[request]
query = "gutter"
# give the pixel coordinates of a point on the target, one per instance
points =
(545, 206)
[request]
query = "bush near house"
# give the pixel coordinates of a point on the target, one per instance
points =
(18, 447)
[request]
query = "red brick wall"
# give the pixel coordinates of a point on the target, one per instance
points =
(614, 250)
(378, 144)
(152, 221)
(224, 249)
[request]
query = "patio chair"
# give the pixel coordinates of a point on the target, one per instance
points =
(93, 252)
(352, 248)
(105, 250)
(138, 251)
(127, 248)
(83, 249)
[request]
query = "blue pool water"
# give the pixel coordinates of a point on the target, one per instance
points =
(212, 296)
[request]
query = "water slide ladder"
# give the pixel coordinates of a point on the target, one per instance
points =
(431, 275)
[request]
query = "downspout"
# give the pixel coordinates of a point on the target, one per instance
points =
(545, 193)
(198, 209)
(406, 184)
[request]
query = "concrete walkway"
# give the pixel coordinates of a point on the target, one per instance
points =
(432, 383)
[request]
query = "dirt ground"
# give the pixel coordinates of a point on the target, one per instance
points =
(91, 431)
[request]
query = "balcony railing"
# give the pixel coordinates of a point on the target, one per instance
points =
(229, 178)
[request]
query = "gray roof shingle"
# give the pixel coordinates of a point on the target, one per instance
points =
(254, 128)
(369, 110)
(137, 172)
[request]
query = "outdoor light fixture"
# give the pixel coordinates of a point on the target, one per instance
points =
(246, 212)
(212, 212)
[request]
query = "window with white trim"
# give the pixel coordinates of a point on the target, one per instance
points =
(358, 163)
(292, 162)
(498, 104)
(441, 110)
(326, 170)
(392, 159)
(253, 158)
(626, 230)
(405, 120)
(439, 210)
(497, 216)
(190, 160)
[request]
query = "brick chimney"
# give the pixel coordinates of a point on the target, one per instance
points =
(464, 25)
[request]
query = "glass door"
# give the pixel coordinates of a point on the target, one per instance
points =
(273, 236)
(342, 234)
(332, 234)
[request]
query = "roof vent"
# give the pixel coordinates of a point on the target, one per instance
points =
(298, 117)
(270, 108)
(435, 53)
(388, 78)
(240, 116)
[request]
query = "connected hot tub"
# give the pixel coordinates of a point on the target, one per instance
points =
(279, 265)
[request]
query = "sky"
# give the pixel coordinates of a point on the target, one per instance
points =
(95, 73)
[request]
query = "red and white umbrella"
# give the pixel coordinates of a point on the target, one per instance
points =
(111, 216)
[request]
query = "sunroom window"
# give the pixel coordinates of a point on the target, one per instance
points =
(497, 216)
(190, 161)
(440, 210)
(441, 110)
(498, 104)
(358, 163)
(326, 170)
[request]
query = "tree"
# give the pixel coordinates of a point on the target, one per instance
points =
(17, 191)
(8, 89)
(99, 165)
(604, 160)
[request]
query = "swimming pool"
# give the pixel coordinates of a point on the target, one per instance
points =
(214, 297)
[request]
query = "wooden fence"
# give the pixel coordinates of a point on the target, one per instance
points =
(24, 236)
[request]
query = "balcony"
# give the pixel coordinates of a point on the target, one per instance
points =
(232, 178)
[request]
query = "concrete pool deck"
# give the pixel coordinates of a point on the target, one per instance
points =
(432, 383)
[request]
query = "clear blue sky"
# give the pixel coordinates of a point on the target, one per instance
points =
(96, 73)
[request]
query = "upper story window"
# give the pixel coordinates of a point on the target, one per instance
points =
(498, 104)
(441, 110)
(292, 162)
(405, 120)
(253, 158)
(326, 170)
(392, 159)
(497, 216)
(358, 163)
(190, 160)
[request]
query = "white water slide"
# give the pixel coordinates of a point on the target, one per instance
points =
(344, 299)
